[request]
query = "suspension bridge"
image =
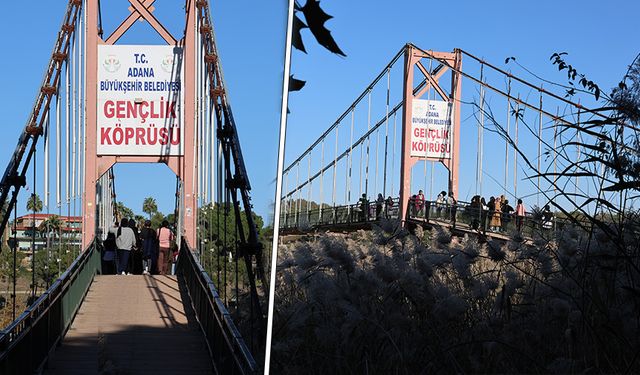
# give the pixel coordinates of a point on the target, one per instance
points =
(102, 103)
(421, 128)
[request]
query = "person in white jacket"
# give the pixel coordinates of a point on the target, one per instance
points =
(125, 242)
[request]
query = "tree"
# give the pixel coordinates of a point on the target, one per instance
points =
(171, 218)
(124, 211)
(46, 268)
(139, 219)
(149, 206)
(156, 219)
(52, 224)
(34, 204)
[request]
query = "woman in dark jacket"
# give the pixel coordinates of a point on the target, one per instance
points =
(149, 248)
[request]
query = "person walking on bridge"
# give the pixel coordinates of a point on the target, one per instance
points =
(420, 203)
(125, 242)
(149, 248)
(364, 207)
(388, 207)
(165, 237)
(520, 212)
(441, 200)
(379, 206)
(507, 214)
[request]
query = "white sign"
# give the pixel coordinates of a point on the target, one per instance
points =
(140, 100)
(431, 131)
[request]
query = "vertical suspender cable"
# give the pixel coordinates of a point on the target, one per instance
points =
(298, 191)
(74, 108)
(58, 140)
(33, 230)
(506, 141)
(393, 153)
(79, 111)
(350, 156)
(211, 139)
(539, 149)
(375, 185)
(481, 156)
(207, 127)
(335, 168)
(195, 178)
(47, 125)
(84, 111)
(15, 249)
(198, 50)
(309, 182)
(386, 135)
(284, 201)
(67, 129)
(478, 146)
(578, 139)
(515, 151)
(321, 200)
(212, 145)
(555, 153)
(198, 103)
(361, 160)
(366, 170)
(205, 131)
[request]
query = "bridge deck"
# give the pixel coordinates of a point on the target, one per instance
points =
(133, 325)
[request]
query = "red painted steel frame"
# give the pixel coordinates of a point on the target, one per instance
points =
(412, 59)
(97, 165)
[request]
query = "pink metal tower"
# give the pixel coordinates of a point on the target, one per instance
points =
(182, 165)
(452, 62)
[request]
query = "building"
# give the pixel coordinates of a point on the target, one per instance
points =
(24, 227)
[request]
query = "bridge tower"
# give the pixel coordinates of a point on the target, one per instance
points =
(116, 131)
(416, 109)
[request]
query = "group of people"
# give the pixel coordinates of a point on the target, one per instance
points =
(498, 211)
(383, 206)
(445, 205)
(130, 251)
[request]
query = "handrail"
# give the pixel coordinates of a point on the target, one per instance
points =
(26, 343)
(229, 353)
(427, 212)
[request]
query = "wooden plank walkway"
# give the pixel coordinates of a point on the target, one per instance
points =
(133, 325)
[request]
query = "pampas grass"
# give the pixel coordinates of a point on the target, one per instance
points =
(389, 302)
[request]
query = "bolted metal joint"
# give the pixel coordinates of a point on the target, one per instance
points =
(33, 130)
(210, 58)
(59, 56)
(236, 182)
(49, 90)
(202, 4)
(225, 134)
(16, 180)
(216, 92)
(205, 29)
(68, 28)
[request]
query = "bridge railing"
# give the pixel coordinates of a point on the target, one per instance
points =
(469, 216)
(228, 349)
(26, 343)
(357, 213)
(459, 215)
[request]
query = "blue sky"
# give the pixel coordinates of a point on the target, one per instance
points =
(250, 39)
(599, 37)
